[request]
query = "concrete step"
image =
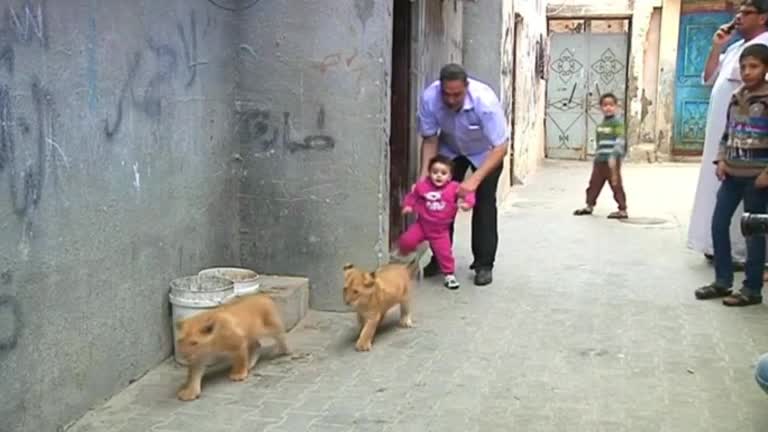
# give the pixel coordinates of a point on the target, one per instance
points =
(291, 294)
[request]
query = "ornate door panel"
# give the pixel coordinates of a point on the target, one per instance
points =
(691, 96)
(566, 123)
(583, 66)
(607, 74)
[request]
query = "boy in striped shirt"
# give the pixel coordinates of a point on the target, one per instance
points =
(608, 156)
(742, 168)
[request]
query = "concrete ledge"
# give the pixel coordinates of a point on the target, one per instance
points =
(291, 294)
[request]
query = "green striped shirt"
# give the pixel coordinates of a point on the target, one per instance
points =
(610, 139)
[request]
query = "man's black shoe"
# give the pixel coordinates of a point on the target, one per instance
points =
(431, 269)
(483, 276)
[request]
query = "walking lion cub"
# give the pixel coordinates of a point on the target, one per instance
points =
(231, 331)
(372, 294)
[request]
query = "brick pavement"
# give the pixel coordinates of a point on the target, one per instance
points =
(591, 325)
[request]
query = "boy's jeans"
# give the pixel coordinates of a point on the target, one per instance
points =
(732, 191)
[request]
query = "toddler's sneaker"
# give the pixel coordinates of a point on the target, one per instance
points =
(451, 282)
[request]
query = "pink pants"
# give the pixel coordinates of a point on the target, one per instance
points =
(439, 239)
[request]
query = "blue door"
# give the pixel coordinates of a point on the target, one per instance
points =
(691, 96)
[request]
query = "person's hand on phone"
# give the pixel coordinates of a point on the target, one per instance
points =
(723, 34)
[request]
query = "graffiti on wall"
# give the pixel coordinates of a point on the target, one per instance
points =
(263, 133)
(29, 150)
(153, 70)
(27, 22)
(10, 317)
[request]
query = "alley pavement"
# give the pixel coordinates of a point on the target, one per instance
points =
(590, 325)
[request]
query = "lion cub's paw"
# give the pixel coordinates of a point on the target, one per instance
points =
(406, 322)
(363, 346)
(238, 376)
(188, 394)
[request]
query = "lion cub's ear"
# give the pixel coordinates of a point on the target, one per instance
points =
(369, 278)
(209, 327)
(348, 266)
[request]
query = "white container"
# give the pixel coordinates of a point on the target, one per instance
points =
(194, 294)
(246, 281)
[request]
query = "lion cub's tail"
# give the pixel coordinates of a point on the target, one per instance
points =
(412, 261)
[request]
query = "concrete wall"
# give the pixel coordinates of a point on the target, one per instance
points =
(313, 128)
(441, 22)
(529, 89)
(484, 27)
(117, 176)
(595, 8)
(642, 146)
(491, 41)
(652, 47)
(665, 97)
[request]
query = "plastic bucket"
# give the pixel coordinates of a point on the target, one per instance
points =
(194, 294)
(245, 281)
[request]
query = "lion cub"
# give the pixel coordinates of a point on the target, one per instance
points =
(229, 331)
(372, 294)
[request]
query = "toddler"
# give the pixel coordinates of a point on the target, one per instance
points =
(435, 201)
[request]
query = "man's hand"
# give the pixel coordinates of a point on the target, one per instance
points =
(721, 171)
(407, 210)
(464, 206)
(469, 185)
(722, 35)
(761, 182)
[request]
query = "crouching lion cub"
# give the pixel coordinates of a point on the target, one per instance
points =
(231, 331)
(372, 294)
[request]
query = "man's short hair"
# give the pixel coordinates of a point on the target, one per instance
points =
(453, 72)
(760, 5)
(758, 51)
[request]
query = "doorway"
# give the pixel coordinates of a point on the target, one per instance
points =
(589, 58)
(400, 117)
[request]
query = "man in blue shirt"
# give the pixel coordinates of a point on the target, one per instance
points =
(462, 118)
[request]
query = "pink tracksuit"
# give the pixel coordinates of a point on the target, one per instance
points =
(436, 209)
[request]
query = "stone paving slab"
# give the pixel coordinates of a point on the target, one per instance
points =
(590, 325)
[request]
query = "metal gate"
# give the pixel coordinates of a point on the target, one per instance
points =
(588, 59)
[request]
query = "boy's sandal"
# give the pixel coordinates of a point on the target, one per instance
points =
(739, 299)
(618, 215)
(583, 211)
(711, 291)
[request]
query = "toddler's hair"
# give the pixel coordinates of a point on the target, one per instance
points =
(608, 96)
(758, 51)
(445, 160)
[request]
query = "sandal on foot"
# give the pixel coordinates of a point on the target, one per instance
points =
(618, 215)
(740, 299)
(583, 211)
(712, 291)
(451, 283)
